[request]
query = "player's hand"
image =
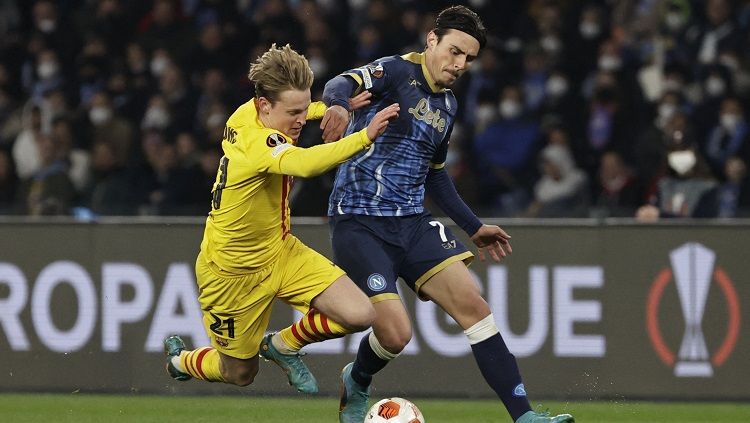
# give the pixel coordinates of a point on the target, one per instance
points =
(334, 123)
(494, 240)
(360, 100)
(380, 121)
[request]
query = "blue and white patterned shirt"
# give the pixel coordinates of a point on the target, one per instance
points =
(388, 178)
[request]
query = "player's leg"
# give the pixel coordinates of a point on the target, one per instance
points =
(236, 311)
(369, 260)
(337, 311)
(454, 290)
(334, 307)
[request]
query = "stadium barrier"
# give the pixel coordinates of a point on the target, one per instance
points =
(592, 309)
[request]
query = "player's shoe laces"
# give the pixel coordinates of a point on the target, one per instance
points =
(353, 403)
(534, 417)
(298, 374)
(173, 346)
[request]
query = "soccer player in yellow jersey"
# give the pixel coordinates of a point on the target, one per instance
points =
(248, 255)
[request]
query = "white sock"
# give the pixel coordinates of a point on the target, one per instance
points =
(176, 363)
(280, 345)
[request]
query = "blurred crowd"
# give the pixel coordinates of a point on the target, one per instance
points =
(627, 108)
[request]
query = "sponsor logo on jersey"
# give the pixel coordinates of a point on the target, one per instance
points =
(222, 342)
(274, 140)
(422, 112)
(376, 282)
(519, 390)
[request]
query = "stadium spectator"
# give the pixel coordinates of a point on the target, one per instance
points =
(734, 193)
(731, 137)
(617, 192)
(600, 69)
(8, 184)
(49, 190)
(504, 153)
(688, 190)
(563, 189)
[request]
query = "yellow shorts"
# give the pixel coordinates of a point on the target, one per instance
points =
(237, 309)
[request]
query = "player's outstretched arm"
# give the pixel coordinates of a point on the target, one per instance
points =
(308, 162)
(338, 95)
(492, 240)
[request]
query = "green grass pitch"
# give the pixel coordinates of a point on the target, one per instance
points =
(81, 408)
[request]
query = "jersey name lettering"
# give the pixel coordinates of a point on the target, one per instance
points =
(423, 112)
(230, 134)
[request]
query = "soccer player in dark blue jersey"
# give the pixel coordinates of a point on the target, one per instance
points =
(380, 229)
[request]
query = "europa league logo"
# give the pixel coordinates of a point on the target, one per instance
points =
(693, 265)
(694, 272)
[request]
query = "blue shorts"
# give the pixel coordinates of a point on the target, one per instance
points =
(376, 250)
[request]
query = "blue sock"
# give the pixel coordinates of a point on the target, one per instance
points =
(500, 370)
(367, 363)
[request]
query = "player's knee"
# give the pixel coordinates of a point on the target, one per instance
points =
(240, 377)
(361, 318)
(396, 341)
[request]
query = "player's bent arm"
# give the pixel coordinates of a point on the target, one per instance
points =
(441, 190)
(312, 161)
(338, 90)
(316, 110)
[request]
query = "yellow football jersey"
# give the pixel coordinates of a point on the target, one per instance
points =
(250, 199)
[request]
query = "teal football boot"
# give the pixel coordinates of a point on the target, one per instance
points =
(296, 371)
(173, 346)
(534, 417)
(354, 397)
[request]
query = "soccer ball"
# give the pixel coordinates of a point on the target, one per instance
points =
(394, 410)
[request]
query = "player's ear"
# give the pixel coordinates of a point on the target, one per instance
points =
(264, 105)
(431, 39)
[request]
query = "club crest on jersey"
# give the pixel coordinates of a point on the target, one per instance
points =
(376, 70)
(274, 140)
(422, 112)
(376, 282)
(222, 342)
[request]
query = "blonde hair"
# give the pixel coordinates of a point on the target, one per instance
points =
(280, 69)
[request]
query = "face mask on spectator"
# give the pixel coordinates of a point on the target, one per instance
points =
(215, 120)
(672, 85)
(156, 117)
(674, 21)
(666, 111)
(589, 30)
(477, 4)
(159, 65)
(318, 66)
(550, 44)
(99, 115)
(510, 109)
(556, 86)
(715, 86)
(609, 63)
(47, 25)
(47, 70)
(729, 121)
(484, 115)
(681, 161)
